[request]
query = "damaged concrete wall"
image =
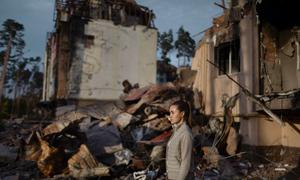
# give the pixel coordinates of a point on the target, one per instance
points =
(262, 131)
(216, 87)
(49, 69)
(288, 60)
(279, 59)
(250, 70)
(95, 46)
(63, 59)
(213, 87)
(112, 55)
(203, 76)
(282, 76)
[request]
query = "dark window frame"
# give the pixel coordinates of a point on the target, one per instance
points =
(227, 57)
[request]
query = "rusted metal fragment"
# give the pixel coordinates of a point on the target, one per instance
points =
(162, 138)
(136, 94)
(64, 121)
(52, 160)
(150, 95)
(83, 164)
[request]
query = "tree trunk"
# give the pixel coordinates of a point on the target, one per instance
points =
(18, 100)
(13, 105)
(4, 70)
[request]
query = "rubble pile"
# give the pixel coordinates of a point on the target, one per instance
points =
(115, 139)
(123, 139)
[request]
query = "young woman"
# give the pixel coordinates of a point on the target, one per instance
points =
(179, 147)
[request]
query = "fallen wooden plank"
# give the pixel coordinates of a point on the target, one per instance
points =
(62, 122)
(83, 164)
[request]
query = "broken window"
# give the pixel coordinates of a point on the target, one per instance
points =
(228, 57)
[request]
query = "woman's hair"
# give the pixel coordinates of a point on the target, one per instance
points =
(183, 106)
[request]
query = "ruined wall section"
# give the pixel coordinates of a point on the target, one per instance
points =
(50, 68)
(63, 57)
(204, 74)
(288, 56)
(268, 57)
(278, 57)
(108, 55)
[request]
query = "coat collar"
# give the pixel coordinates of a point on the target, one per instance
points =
(177, 128)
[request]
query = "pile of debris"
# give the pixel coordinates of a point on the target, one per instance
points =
(123, 139)
(117, 139)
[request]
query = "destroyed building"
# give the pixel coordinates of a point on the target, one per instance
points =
(96, 45)
(253, 47)
(245, 69)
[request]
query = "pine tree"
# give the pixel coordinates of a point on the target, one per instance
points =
(10, 37)
(185, 45)
(165, 43)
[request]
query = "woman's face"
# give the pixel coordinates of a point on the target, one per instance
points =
(176, 116)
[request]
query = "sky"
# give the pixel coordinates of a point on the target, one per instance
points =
(194, 15)
(37, 18)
